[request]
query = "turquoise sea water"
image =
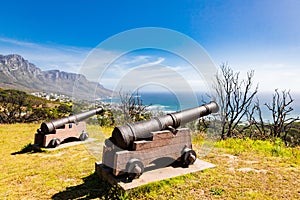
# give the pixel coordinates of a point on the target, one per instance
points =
(169, 102)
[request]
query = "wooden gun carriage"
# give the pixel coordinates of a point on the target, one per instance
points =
(52, 133)
(157, 142)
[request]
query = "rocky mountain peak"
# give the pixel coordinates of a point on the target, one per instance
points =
(15, 62)
(18, 73)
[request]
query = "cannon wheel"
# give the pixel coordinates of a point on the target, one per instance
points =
(188, 157)
(54, 143)
(134, 168)
(83, 136)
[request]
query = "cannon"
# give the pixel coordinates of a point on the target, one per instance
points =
(158, 142)
(52, 133)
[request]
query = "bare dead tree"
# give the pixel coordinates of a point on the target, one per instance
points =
(256, 123)
(132, 106)
(124, 99)
(281, 109)
(235, 97)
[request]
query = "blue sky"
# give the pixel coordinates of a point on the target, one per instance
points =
(263, 35)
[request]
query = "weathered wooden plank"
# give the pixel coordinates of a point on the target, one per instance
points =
(69, 130)
(163, 145)
(163, 138)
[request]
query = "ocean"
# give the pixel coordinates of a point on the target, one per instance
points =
(169, 102)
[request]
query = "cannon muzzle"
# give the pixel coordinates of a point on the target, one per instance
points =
(124, 136)
(48, 127)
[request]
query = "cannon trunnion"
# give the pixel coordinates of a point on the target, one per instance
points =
(154, 143)
(52, 133)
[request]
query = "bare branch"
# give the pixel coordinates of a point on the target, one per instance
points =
(281, 109)
(235, 96)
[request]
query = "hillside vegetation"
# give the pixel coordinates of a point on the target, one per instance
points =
(245, 169)
(18, 106)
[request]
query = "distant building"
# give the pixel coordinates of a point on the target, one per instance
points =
(52, 96)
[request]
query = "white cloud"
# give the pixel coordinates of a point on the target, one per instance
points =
(151, 69)
(46, 56)
(106, 66)
(133, 60)
(124, 65)
(273, 68)
(97, 63)
(282, 78)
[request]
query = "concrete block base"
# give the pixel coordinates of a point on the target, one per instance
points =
(150, 175)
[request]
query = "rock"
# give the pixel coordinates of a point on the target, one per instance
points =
(18, 73)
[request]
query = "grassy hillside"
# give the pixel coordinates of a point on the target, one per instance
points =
(245, 170)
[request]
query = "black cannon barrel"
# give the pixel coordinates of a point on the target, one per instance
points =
(124, 136)
(48, 127)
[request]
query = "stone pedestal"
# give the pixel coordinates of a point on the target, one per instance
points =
(150, 175)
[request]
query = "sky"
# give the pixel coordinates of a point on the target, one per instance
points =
(259, 35)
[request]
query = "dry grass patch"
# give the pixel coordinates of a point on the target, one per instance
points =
(244, 170)
(44, 175)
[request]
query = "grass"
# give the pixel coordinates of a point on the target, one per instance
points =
(245, 169)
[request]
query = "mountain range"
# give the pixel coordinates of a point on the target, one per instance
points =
(18, 73)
